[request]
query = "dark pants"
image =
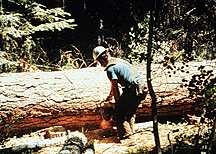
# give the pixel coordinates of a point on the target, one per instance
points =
(125, 111)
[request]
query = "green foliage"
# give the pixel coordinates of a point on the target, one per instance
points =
(161, 48)
(142, 150)
(40, 14)
(12, 20)
(202, 86)
(23, 2)
(57, 26)
(23, 33)
(139, 39)
(190, 24)
(71, 57)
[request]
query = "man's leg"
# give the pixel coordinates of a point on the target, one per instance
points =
(123, 123)
(133, 106)
(132, 123)
(119, 120)
(127, 129)
(123, 115)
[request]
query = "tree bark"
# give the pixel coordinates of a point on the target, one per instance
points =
(150, 87)
(73, 98)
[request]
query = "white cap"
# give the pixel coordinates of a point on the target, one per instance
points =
(98, 51)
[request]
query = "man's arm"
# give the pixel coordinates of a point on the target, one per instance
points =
(114, 90)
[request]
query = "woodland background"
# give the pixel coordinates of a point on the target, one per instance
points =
(45, 35)
(64, 32)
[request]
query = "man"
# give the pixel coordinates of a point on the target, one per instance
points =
(120, 72)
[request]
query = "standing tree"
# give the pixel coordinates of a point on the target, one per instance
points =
(150, 87)
(149, 79)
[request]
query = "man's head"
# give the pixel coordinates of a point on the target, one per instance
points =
(101, 55)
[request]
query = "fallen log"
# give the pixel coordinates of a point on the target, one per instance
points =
(73, 98)
(69, 142)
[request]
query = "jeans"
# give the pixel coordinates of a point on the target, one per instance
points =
(125, 112)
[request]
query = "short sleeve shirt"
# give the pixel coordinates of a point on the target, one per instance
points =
(120, 72)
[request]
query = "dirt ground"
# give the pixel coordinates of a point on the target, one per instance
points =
(106, 142)
(144, 138)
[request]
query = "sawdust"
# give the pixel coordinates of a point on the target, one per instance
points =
(106, 142)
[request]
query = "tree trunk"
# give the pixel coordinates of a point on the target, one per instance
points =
(73, 98)
(150, 87)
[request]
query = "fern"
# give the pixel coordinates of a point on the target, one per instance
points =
(42, 15)
(56, 26)
(10, 20)
(19, 31)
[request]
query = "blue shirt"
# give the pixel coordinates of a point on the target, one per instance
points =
(120, 72)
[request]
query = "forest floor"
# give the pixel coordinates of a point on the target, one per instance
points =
(143, 140)
(106, 142)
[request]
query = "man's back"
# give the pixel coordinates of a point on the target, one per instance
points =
(120, 72)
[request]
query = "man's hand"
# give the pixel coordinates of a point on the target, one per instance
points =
(110, 99)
